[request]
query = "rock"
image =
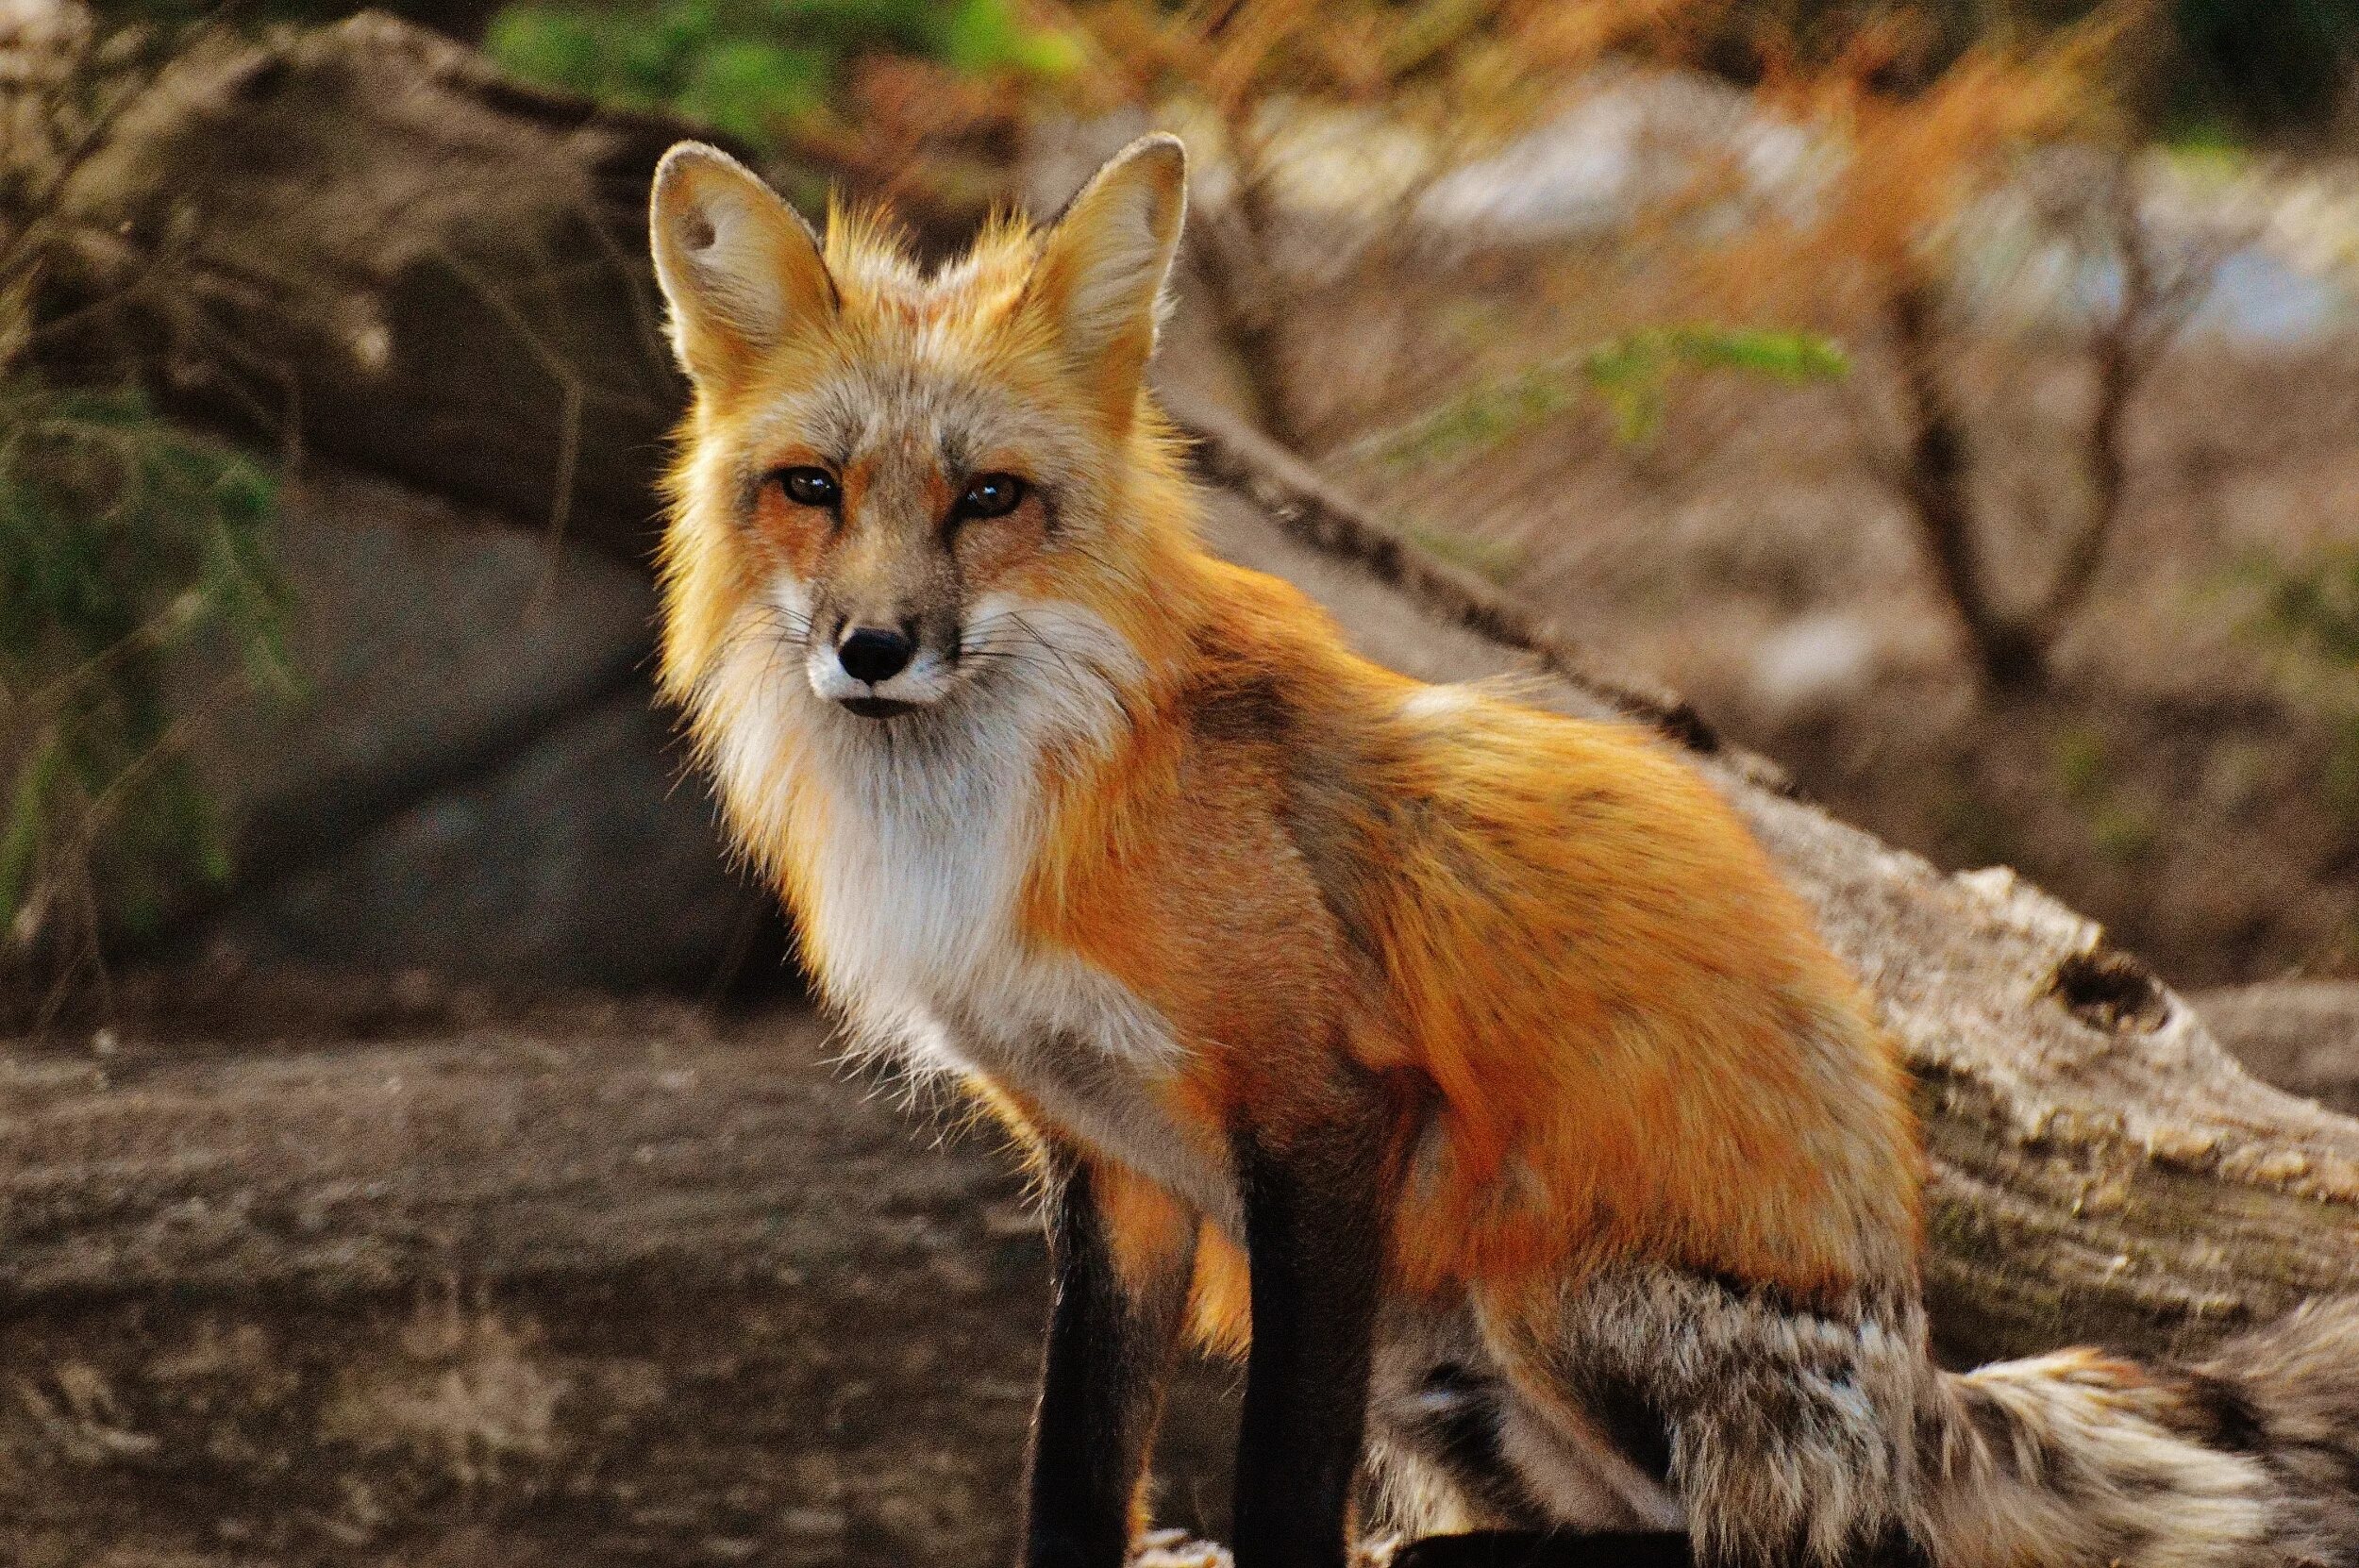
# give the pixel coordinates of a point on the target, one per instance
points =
(470, 776)
(2300, 1035)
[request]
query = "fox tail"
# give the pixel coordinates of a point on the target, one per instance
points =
(2249, 1459)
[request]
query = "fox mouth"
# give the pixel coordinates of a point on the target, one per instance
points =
(877, 707)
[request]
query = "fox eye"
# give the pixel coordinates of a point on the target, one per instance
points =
(990, 495)
(808, 487)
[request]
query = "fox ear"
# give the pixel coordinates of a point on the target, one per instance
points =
(740, 268)
(1101, 270)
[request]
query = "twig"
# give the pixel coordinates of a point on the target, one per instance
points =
(569, 395)
(2124, 347)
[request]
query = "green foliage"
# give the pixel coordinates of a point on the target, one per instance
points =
(2263, 65)
(753, 67)
(2122, 830)
(2306, 616)
(1630, 374)
(121, 538)
(2232, 66)
(1489, 558)
(2310, 609)
(1633, 374)
(2081, 765)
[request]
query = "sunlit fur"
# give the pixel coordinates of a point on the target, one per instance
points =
(1157, 856)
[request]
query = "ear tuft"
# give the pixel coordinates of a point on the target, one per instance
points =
(1103, 266)
(739, 269)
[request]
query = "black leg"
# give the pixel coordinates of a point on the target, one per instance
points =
(1314, 1237)
(1523, 1549)
(1109, 1353)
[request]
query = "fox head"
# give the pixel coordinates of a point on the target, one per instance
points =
(902, 485)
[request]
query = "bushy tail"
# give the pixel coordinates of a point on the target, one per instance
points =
(2295, 1391)
(2248, 1460)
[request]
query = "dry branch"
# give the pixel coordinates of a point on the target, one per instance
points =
(2012, 646)
(2099, 1167)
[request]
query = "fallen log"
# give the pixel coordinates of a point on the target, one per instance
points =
(363, 241)
(359, 242)
(2099, 1167)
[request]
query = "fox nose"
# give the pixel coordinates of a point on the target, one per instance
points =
(874, 654)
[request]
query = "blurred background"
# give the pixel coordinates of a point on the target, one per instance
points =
(418, 1148)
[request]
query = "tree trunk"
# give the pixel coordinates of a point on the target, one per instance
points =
(1935, 483)
(441, 277)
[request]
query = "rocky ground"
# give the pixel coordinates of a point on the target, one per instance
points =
(727, 1308)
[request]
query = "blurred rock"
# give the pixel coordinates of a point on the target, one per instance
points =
(2300, 1035)
(472, 777)
(1818, 661)
(576, 862)
(420, 626)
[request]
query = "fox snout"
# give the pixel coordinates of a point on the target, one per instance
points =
(874, 654)
(878, 665)
(877, 671)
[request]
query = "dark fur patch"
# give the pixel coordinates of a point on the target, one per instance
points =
(1633, 1425)
(1895, 1548)
(1458, 1433)
(1990, 1421)
(2025, 1453)
(1315, 1217)
(2222, 1413)
(1850, 1308)
(1101, 1381)
(1247, 711)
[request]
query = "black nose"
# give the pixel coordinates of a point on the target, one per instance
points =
(875, 653)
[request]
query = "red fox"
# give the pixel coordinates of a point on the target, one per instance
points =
(1467, 1067)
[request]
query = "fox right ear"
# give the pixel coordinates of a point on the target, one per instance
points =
(1102, 267)
(740, 268)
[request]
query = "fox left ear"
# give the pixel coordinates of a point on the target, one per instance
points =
(1101, 271)
(739, 267)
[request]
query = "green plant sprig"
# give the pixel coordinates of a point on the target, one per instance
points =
(1630, 374)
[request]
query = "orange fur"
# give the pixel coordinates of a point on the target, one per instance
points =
(1595, 968)
(1607, 1030)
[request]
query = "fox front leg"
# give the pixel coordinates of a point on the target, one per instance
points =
(1111, 1343)
(1314, 1221)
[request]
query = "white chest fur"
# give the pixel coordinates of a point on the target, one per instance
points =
(915, 863)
